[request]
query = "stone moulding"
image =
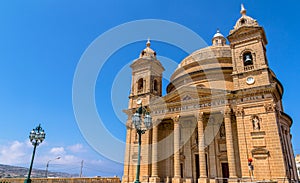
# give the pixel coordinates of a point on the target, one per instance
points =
(260, 153)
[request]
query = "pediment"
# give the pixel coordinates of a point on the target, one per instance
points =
(186, 94)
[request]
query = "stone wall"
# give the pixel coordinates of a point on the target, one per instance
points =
(62, 180)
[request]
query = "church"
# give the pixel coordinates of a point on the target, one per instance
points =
(222, 119)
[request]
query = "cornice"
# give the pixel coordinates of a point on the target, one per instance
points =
(236, 37)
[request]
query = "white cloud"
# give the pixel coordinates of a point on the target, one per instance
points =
(70, 159)
(19, 153)
(58, 151)
(15, 152)
(77, 148)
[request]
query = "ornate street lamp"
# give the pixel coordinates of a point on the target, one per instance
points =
(141, 129)
(36, 137)
(47, 166)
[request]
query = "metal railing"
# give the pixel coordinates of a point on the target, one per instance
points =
(248, 67)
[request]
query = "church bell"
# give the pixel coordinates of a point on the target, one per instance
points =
(248, 59)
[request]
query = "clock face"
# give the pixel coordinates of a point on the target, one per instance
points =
(250, 80)
(139, 101)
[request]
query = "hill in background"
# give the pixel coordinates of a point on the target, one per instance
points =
(7, 171)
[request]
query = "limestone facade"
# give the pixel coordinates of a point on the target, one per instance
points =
(221, 120)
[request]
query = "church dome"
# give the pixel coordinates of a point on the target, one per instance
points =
(206, 67)
(148, 52)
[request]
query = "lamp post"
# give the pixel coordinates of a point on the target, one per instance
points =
(141, 129)
(47, 166)
(36, 137)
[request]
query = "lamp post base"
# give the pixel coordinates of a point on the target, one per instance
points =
(137, 181)
(27, 181)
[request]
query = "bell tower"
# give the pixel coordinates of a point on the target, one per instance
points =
(248, 44)
(146, 85)
(146, 77)
(263, 129)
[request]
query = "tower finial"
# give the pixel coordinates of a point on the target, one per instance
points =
(243, 10)
(148, 43)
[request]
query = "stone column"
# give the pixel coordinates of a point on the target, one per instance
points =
(229, 145)
(154, 176)
(243, 145)
(293, 163)
(177, 176)
(201, 147)
(125, 177)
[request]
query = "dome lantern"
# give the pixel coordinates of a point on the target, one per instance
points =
(218, 39)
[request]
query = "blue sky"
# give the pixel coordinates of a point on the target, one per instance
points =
(41, 43)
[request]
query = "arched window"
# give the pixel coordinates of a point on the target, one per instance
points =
(155, 85)
(140, 85)
(247, 58)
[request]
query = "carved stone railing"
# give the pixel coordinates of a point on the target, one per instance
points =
(248, 67)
